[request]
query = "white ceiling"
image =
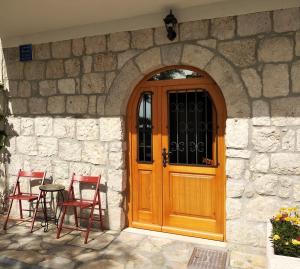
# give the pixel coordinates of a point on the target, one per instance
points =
(48, 20)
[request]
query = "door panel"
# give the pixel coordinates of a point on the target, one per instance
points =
(185, 194)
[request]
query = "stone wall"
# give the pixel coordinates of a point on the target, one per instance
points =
(67, 110)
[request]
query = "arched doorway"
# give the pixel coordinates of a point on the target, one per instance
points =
(176, 154)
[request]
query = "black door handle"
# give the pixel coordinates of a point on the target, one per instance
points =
(165, 156)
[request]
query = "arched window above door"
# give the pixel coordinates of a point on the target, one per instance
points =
(176, 73)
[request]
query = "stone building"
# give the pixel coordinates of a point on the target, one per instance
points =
(67, 111)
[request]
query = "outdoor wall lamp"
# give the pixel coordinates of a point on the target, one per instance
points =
(170, 23)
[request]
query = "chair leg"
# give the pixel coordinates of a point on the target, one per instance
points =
(75, 215)
(20, 208)
(34, 214)
(100, 212)
(91, 217)
(61, 223)
(8, 213)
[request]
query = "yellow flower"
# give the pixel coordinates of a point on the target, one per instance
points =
(276, 237)
(295, 242)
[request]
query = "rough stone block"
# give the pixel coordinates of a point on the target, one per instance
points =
(61, 49)
(43, 126)
(87, 129)
(288, 140)
(266, 139)
(93, 83)
(209, 43)
(298, 140)
(261, 113)
(13, 126)
(72, 67)
(95, 44)
(295, 75)
(24, 89)
(196, 55)
(275, 80)
(34, 70)
(246, 233)
(260, 163)
(118, 41)
(286, 20)
(47, 146)
(276, 49)
(55, 69)
(105, 62)
(148, 60)
(100, 104)
(239, 52)
(94, 152)
(77, 46)
(77, 104)
(14, 70)
(252, 81)
(60, 170)
(238, 153)
(194, 30)
(87, 62)
(296, 195)
(233, 208)
(234, 188)
(117, 160)
(252, 24)
(297, 45)
(266, 184)
(92, 104)
(66, 86)
(261, 208)
(81, 169)
(56, 105)
(47, 87)
(171, 54)
(64, 127)
(123, 57)
(223, 28)
(27, 145)
(41, 51)
(12, 87)
(142, 39)
(285, 163)
(160, 36)
(117, 180)
(285, 111)
(37, 105)
(235, 168)
(111, 129)
(237, 133)
(69, 150)
(27, 126)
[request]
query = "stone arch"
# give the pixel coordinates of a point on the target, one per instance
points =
(217, 67)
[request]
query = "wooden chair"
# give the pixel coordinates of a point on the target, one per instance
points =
(25, 196)
(82, 204)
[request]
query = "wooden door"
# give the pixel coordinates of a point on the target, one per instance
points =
(176, 157)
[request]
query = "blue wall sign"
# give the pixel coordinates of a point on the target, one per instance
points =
(25, 52)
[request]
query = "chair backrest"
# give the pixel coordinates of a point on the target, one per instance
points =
(94, 180)
(32, 174)
(29, 175)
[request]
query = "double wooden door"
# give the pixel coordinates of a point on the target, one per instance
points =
(176, 157)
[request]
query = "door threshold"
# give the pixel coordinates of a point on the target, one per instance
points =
(189, 239)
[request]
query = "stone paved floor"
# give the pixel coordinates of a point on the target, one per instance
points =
(20, 249)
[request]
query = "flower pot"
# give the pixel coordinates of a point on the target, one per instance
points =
(278, 261)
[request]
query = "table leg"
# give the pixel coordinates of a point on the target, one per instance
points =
(45, 213)
(61, 193)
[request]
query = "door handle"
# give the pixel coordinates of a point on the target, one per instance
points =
(165, 156)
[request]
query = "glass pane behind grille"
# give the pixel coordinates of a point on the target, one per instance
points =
(145, 128)
(191, 128)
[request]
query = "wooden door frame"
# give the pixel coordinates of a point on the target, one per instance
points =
(206, 79)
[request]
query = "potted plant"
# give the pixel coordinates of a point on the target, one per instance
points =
(283, 244)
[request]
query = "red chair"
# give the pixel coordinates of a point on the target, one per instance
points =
(25, 196)
(82, 204)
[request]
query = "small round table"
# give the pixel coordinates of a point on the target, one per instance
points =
(51, 188)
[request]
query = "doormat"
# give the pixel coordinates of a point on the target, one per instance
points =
(203, 258)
